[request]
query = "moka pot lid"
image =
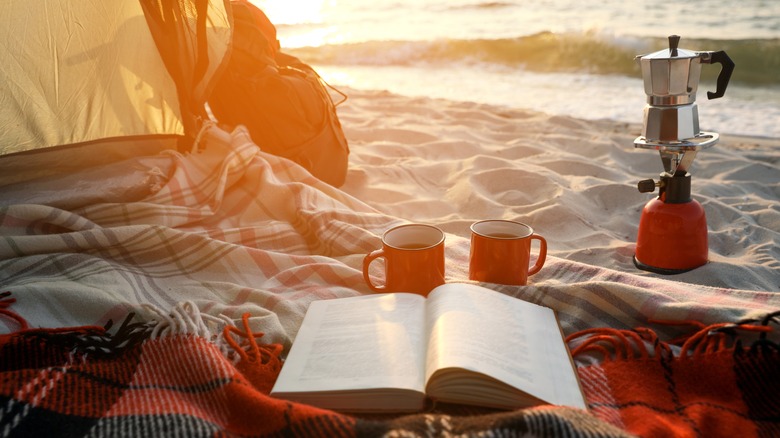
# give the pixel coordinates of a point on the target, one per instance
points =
(671, 76)
(671, 54)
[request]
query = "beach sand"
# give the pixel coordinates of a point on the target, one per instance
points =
(574, 181)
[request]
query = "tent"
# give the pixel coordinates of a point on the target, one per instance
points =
(116, 76)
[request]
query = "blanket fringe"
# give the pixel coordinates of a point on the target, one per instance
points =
(84, 339)
(260, 364)
(182, 320)
(263, 354)
(186, 319)
(642, 342)
(5, 302)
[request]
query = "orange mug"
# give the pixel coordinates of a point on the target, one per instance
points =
(414, 259)
(501, 252)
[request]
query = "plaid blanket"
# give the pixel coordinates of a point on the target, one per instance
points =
(165, 379)
(226, 231)
(715, 382)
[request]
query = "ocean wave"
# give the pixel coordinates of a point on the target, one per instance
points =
(757, 61)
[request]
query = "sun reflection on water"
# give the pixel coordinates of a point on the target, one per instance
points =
(301, 23)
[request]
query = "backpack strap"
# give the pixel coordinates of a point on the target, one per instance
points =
(192, 38)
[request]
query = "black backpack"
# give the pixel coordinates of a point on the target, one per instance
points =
(283, 102)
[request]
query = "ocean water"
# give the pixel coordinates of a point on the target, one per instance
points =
(565, 57)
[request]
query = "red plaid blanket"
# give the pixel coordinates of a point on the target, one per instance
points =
(140, 381)
(712, 383)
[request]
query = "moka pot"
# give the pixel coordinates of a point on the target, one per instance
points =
(672, 234)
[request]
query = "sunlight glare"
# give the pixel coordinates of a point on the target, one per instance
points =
(292, 11)
(300, 23)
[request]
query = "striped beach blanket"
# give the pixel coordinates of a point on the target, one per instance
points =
(210, 248)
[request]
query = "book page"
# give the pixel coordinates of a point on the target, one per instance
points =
(516, 342)
(373, 341)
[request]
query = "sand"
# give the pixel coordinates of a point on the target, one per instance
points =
(574, 181)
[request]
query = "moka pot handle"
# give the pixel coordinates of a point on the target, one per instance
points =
(727, 67)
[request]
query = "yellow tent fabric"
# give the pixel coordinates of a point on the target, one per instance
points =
(75, 71)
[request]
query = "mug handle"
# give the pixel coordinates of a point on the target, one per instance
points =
(542, 254)
(373, 255)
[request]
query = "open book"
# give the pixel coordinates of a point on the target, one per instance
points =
(463, 344)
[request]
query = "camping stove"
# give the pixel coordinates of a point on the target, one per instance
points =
(672, 235)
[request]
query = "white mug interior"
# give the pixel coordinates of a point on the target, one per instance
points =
(417, 236)
(502, 229)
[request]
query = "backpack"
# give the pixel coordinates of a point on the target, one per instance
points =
(283, 102)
